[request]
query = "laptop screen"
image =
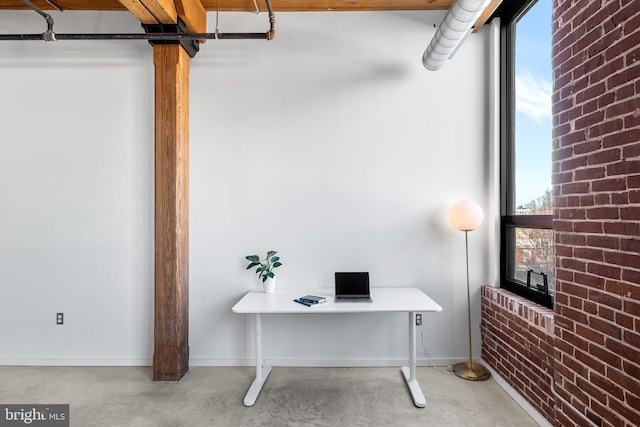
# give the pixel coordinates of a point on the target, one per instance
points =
(352, 284)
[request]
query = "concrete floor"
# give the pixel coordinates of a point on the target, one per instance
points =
(212, 396)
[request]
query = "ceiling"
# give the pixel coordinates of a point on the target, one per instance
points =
(240, 5)
(193, 12)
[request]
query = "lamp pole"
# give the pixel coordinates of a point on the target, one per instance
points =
(467, 216)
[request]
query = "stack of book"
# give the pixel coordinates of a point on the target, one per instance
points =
(311, 300)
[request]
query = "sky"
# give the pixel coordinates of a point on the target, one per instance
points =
(533, 103)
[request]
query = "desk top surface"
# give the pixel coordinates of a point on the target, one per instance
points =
(384, 300)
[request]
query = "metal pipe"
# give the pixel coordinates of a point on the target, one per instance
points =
(53, 5)
(51, 36)
(140, 36)
(48, 35)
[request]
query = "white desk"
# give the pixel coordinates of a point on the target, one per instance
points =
(408, 300)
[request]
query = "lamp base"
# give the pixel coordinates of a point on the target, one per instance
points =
(475, 372)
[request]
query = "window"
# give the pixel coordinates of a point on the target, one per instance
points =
(527, 249)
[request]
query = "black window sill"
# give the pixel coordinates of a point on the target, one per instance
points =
(544, 300)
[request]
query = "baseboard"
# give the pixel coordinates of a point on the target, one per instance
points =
(195, 361)
(513, 393)
(48, 361)
(320, 363)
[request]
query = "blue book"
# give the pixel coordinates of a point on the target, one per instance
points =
(300, 301)
(313, 299)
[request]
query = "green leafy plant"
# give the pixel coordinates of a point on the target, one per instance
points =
(265, 266)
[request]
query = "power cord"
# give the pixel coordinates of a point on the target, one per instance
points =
(429, 358)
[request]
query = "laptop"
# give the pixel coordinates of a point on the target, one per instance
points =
(352, 287)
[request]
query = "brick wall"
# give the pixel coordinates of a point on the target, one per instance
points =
(596, 182)
(518, 343)
(596, 175)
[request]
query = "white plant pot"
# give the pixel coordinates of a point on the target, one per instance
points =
(269, 285)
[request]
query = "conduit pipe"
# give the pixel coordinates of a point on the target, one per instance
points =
(49, 35)
(454, 29)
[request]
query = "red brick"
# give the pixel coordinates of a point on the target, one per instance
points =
(632, 339)
(626, 75)
(632, 120)
(626, 411)
(587, 227)
(624, 45)
(604, 270)
(589, 173)
(614, 184)
(632, 25)
(630, 213)
(619, 288)
(589, 120)
(589, 360)
(633, 181)
(572, 202)
(589, 280)
(608, 415)
(588, 108)
(624, 320)
(587, 200)
(587, 147)
(607, 328)
(627, 167)
(630, 151)
(631, 276)
(603, 213)
(575, 188)
(620, 198)
(563, 129)
(625, 91)
(603, 242)
(591, 92)
(623, 259)
(606, 156)
(621, 349)
(562, 178)
(606, 387)
(572, 239)
(622, 228)
(633, 370)
(606, 70)
(620, 138)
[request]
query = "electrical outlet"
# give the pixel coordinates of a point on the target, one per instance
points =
(59, 318)
(418, 319)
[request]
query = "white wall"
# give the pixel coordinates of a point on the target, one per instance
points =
(331, 144)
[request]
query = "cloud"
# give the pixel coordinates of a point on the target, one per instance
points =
(533, 96)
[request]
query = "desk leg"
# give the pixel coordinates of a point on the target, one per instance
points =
(409, 372)
(262, 372)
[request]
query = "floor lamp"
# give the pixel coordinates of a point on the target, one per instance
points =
(467, 215)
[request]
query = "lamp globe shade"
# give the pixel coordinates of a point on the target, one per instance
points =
(466, 215)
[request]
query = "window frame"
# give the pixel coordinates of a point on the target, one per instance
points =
(509, 16)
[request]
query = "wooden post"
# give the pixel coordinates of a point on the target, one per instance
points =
(171, 322)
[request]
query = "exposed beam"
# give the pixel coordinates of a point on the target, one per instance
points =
(248, 5)
(171, 320)
(163, 10)
(139, 11)
(193, 14)
(152, 11)
(326, 5)
(488, 11)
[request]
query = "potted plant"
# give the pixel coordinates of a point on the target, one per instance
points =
(265, 269)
